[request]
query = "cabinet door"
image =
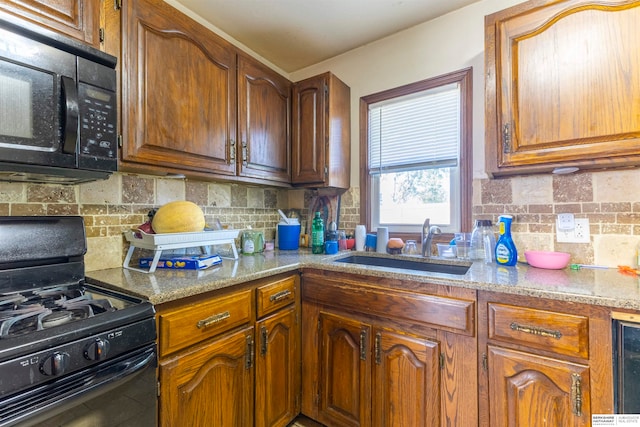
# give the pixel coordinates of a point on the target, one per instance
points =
(309, 130)
(527, 390)
(263, 122)
(406, 381)
(561, 89)
(345, 380)
(278, 369)
(211, 385)
(79, 19)
(178, 92)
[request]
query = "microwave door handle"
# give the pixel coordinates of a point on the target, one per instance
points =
(70, 128)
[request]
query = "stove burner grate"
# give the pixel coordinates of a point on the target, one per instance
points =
(36, 310)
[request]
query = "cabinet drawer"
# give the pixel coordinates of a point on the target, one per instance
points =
(188, 325)
(548, 330)
(446, 313)
(275, 295)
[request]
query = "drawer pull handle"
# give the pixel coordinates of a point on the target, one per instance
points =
(536, 331)
(216, 318)
(279, 296)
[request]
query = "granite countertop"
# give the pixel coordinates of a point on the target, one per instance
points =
(606, 287)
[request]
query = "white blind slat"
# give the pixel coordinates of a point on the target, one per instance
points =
(415, 132)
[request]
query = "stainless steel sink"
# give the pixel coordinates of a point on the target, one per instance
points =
(405, 264)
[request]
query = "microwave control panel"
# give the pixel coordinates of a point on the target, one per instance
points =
(98, 121)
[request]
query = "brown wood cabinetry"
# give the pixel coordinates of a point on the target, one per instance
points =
(226, 360)
(543, 362)
(210, 384)
(321, 129)
(560, 86)
(193, 105)
(264, 105)
(178, 92)
(79, 19)
(387, 354)
(278, 385)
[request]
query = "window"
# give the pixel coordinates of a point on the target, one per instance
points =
(417, 141)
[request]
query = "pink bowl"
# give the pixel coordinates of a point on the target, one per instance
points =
(547, 259)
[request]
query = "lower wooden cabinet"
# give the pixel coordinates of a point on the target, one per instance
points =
(232, 359)
(345, 366)
(378, 377)
(277, 369)
(210, 385)
(530, 390)
(373, 357)
(406, 380)
(544, 362)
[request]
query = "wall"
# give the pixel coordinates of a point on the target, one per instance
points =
(455, 41)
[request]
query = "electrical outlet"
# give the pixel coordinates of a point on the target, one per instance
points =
(578, 234)
(581, 232)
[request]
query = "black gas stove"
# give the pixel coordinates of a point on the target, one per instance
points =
(63, 340)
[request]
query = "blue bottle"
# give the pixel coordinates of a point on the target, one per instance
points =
(506, 252)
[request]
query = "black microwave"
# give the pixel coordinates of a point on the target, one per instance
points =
(58, 110)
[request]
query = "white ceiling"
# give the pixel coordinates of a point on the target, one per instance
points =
(293, 34)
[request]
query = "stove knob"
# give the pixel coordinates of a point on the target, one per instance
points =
(97, 350)
(55, 364)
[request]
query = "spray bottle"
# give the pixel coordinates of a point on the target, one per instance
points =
(506, 252)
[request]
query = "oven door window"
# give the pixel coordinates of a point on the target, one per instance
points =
(32, 101)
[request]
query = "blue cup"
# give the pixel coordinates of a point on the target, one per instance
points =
(370, 242)
(331, 247)
(288, 236)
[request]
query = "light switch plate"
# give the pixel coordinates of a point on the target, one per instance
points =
(566, 221)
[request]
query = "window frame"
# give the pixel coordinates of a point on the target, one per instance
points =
(464, 79)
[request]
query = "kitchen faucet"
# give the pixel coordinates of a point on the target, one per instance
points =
(427, 236)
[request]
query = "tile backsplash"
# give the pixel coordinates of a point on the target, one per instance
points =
(111, 207)
(609, 199)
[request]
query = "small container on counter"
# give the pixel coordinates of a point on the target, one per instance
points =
(361, 235)
(371, 242)
(342, 240)
(331, 247)
(252, 242)
(289, 234)
(395, 245)
(382, 239)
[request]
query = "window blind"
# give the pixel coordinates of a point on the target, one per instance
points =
(419, 131)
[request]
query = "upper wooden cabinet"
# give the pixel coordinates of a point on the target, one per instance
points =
(178, 93)
(264, 105)
(321, 129)
(79, 19)
(562, 86)
(192, 104)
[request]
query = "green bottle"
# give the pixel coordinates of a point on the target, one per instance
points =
(317, 235)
